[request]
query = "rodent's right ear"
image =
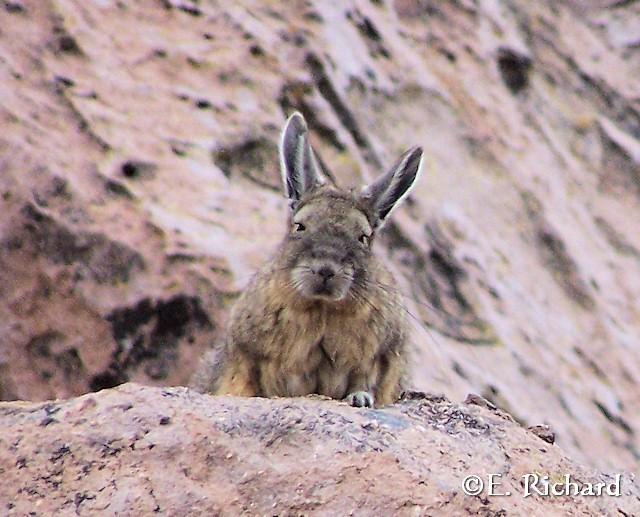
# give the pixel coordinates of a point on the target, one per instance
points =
(298, 165)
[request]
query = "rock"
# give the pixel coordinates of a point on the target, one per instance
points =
(137, 450)
(544, 432)
(139, 190)
(477, 400)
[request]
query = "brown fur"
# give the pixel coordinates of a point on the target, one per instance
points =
(293, 332)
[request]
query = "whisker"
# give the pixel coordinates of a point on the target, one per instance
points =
(423, 325)
(359, 293)
(393, 289)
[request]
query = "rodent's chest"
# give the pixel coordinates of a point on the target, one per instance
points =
(341, 342)
(315, 352)
(320, 364)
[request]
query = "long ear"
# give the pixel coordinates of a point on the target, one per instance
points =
(297, 162)
(386, 193)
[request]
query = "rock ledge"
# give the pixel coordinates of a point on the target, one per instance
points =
(137, 450)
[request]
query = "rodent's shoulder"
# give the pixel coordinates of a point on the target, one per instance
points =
(269, 280)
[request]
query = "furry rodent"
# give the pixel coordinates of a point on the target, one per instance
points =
(322, 316)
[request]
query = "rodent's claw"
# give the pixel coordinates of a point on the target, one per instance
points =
(360, 399)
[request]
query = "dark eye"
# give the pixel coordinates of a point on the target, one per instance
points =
(364, 239)
(299, 227)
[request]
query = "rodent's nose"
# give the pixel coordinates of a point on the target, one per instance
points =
(326, 273)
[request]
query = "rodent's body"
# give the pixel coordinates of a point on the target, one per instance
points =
(283, 346)
(323, 316)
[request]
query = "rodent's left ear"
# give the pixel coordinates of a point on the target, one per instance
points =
(299, 168)
(387, 192)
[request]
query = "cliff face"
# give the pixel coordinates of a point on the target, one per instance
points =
(137, 450)
(140, 188)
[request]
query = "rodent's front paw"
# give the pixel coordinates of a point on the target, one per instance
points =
(360, 399)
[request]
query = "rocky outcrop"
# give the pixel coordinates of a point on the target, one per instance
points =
(137, 450)
(139, 189)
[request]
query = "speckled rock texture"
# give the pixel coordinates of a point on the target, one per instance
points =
(137, 450)
(139, 189)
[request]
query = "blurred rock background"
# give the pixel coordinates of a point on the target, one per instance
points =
(139, 188)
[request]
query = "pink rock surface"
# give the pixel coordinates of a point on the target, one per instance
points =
(137, 450)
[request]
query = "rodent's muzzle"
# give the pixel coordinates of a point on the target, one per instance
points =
(322, 276)
(322, 280)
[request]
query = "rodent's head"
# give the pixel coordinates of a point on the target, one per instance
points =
(328, 248)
